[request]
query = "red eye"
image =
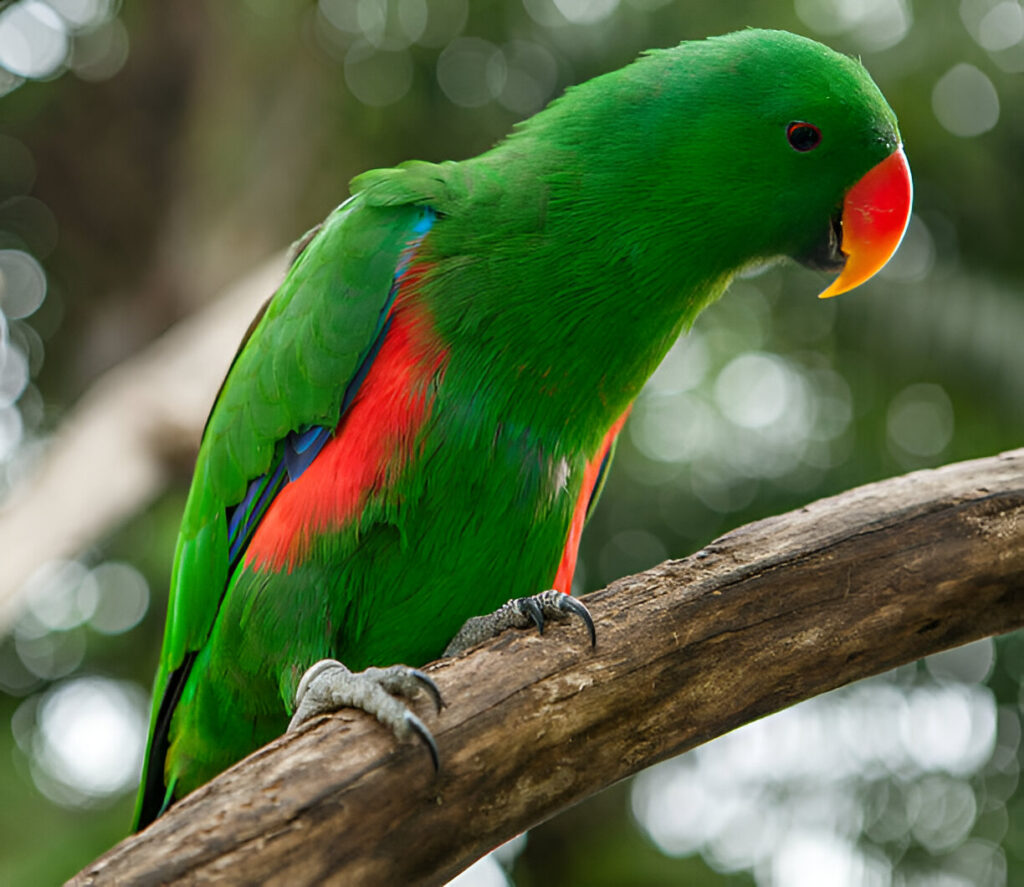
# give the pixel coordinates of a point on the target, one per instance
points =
(803, 136)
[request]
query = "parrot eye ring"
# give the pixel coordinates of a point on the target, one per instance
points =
(803, 136)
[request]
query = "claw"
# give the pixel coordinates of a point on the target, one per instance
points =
(420, 729)
(433, 690)
(519, 613)
(570, 604)
(529, 607)
(328, 685)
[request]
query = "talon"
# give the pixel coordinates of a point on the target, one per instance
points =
(572, 605)
(435, 694)
(328, 685)
(529, 607)
(518, 613)
(420, 729)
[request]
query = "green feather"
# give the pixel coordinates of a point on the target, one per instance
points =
(562, 265)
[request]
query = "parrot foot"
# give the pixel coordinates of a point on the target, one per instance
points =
(521, 612)
(328, 685)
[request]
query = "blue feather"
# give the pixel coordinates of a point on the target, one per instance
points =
(300, 449)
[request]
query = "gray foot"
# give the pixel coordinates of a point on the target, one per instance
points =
(521, 612)
(327, 686)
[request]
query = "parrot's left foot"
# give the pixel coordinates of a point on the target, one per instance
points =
(521, 612)
(328, 685)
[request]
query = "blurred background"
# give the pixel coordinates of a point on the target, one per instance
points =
(152, 154)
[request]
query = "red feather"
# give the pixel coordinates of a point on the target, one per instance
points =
(591, 475)
(371, 446)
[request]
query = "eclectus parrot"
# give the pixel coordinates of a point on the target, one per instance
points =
(416, 426)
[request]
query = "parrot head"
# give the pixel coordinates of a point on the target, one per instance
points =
(752, 146)
(816, 156)
(841, 181)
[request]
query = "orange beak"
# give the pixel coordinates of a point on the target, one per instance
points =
(875, 216)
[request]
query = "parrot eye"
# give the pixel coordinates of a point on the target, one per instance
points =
(803, 136)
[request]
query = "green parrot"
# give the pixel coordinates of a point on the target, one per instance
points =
(419, 420)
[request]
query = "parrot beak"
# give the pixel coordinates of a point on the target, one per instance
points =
(876, 211)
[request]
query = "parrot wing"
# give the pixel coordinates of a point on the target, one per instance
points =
(295, 374)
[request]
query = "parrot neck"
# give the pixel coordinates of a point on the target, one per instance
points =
(567, 352)
(542, 300)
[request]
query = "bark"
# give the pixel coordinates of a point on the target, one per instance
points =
(773, 613)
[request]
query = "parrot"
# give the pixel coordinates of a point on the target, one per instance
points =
(404, 452)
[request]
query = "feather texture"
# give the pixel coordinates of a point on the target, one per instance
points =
(421, 419)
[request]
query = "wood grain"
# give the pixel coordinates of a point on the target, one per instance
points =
(773, 613)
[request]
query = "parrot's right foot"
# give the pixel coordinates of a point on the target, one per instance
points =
(521, 612)
(328, 685)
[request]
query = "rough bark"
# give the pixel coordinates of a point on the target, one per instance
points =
(770, 614)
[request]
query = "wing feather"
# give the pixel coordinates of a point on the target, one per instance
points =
(293, 377)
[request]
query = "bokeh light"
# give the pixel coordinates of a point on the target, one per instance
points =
(377, 77)
(122, 597)
(755, 390)
(471, 71)
(826, 792)
(83, 13)
(1002, 26)
(969, 664)
(11, 430)
(920, 422)
(811, 857)
(22, 284)
(733, 414)
(998, 27)
(965, 101)
(85, 738)
(873, 24)
(62, 600)
(33, 40)
(22, 291)
(397, 24)
(13, 374)
(531, 75)
(99, 52)
(57, 597)
(585, 12)
(38, 39)
(915, 257)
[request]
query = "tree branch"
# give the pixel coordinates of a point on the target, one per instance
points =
(775, 612)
